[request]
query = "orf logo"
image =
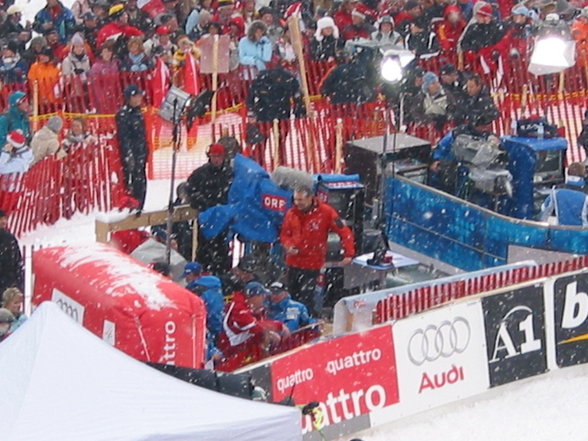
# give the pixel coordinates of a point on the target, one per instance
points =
(273, 202)
(571, 319)
(442, 341)
(515, 334)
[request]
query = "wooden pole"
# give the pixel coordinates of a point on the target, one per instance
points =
(276, 150)
(214, 78)
(338, 145)
(310, 149)
(35, 106)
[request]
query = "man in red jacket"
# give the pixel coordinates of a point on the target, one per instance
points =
(246, 336)
(304, 238)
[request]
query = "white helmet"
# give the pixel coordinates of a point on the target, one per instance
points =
(13, 9)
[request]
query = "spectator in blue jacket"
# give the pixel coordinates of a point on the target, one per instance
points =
(208, 288)
(192, 272)
(16, 118)
(55, 15)
(13, 69)
(255, 49)
(282, 308)
(570, 203)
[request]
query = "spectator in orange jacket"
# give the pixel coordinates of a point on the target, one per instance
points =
(46, 74)
(580, 34)
(304, 238)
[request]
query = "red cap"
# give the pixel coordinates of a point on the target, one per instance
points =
(216, 149)
(485, 11)
(162, 30)
(17, 138)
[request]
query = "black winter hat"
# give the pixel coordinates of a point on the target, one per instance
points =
(47, 50)
(11, 46)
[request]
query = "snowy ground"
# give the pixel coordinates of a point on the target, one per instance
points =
(546, 408)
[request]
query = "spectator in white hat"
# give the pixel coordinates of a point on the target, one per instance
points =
(326, 40)
(16, 156)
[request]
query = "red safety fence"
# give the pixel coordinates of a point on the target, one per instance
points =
(421, 299)
(86, 179)
(314, 143)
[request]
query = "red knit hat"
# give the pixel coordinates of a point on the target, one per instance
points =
(216, 149)
(162, 30)
(16, 138)
(485, 11)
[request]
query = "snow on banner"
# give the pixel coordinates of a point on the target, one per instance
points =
(128, 305)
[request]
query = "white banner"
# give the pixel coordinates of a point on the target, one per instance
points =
(441, 356)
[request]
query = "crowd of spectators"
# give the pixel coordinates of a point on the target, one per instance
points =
(98, 37)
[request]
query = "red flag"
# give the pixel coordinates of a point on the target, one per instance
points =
(160, 82)
(191, 75)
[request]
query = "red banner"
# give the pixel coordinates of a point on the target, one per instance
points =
(349, 376)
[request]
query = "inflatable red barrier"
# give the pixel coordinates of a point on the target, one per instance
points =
(135, 309)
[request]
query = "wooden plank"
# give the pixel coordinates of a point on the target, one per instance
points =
(180, 214)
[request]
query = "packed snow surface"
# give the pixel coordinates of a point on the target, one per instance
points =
(545, 408)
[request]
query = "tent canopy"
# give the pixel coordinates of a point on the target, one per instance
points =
(60, 382)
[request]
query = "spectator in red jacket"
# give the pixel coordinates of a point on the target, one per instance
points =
(358, 27)
(304, 238)
(343, 16)
(450, 29)
(517, 38)
(245, 338)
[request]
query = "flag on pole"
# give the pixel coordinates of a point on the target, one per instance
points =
(160, 82)
(191, 75)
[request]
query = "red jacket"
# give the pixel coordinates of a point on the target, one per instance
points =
(448, 33)
(342, 19)
(308, 231)
(242, 332)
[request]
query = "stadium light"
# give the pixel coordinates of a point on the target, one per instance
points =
(393, 63)
(552, 54)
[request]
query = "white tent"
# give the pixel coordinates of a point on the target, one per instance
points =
(60, 382)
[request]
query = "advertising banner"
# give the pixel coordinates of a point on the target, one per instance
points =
(571, 324)
(441, 356)
(515, 334)
(348, 376)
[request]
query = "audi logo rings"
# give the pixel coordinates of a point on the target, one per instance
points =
(434, 342)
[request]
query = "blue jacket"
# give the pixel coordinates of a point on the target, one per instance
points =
(443, 150)
(290, 312)
(15, 72)
(210, 291)
(255, 53)
(570, 206)
(14, 119)
(65, 22)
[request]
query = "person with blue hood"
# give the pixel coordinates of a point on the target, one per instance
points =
(569, 203)
(16, 118)
(282, 308)
(208, 288)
